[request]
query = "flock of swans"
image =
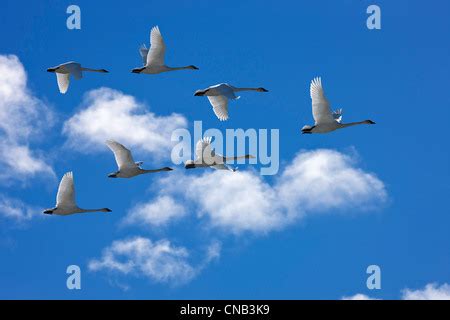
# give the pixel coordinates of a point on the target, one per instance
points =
(218, 95)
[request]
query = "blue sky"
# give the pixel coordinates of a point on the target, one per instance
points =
(396, 76)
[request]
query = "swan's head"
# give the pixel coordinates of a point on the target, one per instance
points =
(106, 210)
(167, 169)
(137, 70)
(200, 93)
(112, 175)
(189, 164)
(307, 129)
(262, 90)
(369, 122)
(193, 67)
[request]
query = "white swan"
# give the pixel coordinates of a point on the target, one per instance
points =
(127, 168)
(63, 72)
(219, 94)
(325, 120)
(206, 157)
(153, 58)
(65, 199)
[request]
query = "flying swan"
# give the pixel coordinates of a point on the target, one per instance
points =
(127, 168)
(63, 72)
(153, 58)
(219, 94)
(206, 157)
(65, 199)
(325, 120)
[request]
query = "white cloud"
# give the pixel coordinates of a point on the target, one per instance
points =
(16, 209)
(432, 291)
(159, 261)
(111, 114)
(314, 182)
(358, 296)
(157, 212)
(23, 119)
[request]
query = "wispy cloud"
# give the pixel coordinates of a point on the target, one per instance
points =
(158, 261)
(23, 120)
(432, 291)
(111, 114)
(158, 212)
(16, 209)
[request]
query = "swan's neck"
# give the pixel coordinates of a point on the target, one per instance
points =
(244, 89)
(178, 68)
(92, 70)
(247, 156)
(93, 210)
(345, 125)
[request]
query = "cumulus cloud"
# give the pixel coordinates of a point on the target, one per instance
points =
(156, 213)
(432, 291)
(15, 209)
(111, 114)
(159, 261)
(23, 120)
(314, 182)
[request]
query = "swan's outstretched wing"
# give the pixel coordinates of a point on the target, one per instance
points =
(66, 191)
(220, 106)
(157, 50)
(337, 115)
(75, 70)
(203, 151)
(63, 81)
(320, 106)
(123, 156)
(144, 53)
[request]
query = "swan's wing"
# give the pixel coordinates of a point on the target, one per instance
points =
(144, 52)
(220, 106)
(75, 70)
(203, 150)
(66, 191)
(63, 81)
(320, 106)
(337, 115)
(155, 55)
(122, 155)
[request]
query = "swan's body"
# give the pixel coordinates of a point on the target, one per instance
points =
(206, 157)
(153, 58)
(65, 199)
(127, 168)
(219, 94)
(63, 72)
(325, 120)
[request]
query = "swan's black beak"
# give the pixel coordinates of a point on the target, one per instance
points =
(51, 69)
(137, 70)
(167, 169)
(194, 67)
(112, 175)
(263, 90)
(199, 93)
(189, 166)
(48, 212)
(370, 122)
